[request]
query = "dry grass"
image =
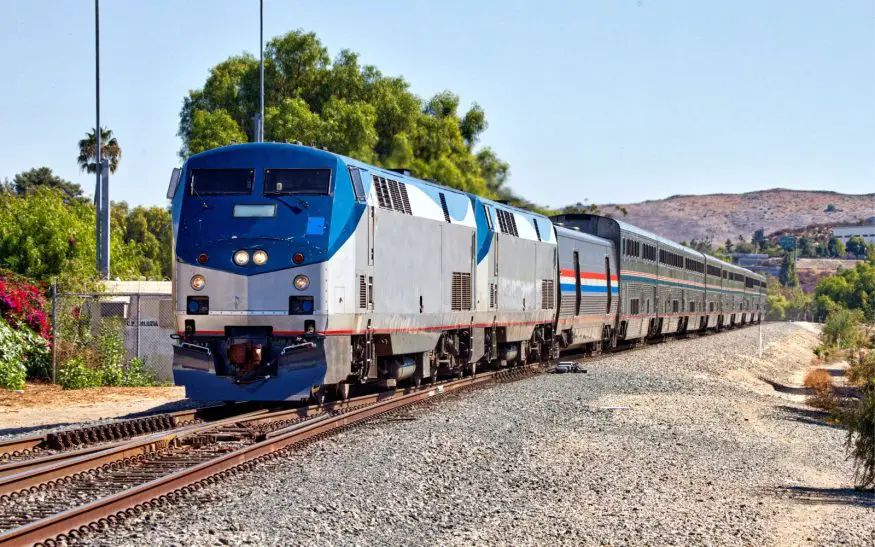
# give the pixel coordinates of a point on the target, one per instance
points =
(820, 381)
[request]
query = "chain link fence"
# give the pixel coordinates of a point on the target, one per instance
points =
(95, 325)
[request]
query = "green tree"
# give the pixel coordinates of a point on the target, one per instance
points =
(835, 247)
(789, 276)
(776, 307)
(347, 107)
(853, 289)
(41, 236)
(44, 234)
(42, 177)
(759, 238)
(856, 246)
(214, 129)
(109, 150)
(806, 248)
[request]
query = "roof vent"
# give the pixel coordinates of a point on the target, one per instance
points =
(401, 170)
(298, 143)
(503, 201)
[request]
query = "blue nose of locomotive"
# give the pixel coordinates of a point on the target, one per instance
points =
(255, 228)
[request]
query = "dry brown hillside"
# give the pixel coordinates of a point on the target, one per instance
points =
(721, 216)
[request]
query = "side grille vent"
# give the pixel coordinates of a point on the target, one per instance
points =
(392, 194)
(444, 207)
(405, 200)
(383, 197)
(507, 222)
(493, 294)
(547, 294)
(461, 291)
(396, 195)
(363, 292)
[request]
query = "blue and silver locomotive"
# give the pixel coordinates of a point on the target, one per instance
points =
(300, 273)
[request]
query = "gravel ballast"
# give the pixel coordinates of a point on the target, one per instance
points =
(673, 444)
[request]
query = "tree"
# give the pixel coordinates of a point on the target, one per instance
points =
(349, 108)
(759, 238)
(42, 177)
(214, 129)
(788, 276)
(853, 289)
(806, 249)
(109, 150)
(856, 246)
(728, 245)
(835, 247)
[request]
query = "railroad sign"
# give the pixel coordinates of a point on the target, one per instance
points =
(787, 242)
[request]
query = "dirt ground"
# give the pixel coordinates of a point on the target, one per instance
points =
(44, 404)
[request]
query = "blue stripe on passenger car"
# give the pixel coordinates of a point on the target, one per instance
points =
(569, 287)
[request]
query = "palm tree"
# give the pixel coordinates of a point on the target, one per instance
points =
(109, 149)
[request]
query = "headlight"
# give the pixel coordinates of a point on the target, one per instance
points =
(302, 282)
(259, 257)
(241, 258)
(198, 282)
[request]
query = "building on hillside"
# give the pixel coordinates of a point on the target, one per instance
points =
(864, 231)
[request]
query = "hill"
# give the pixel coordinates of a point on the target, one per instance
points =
(722, 216)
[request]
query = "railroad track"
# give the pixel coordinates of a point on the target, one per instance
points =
(84, 491)
(91, 436)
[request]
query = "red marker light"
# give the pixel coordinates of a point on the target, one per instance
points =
(202, 258)
(297, 258)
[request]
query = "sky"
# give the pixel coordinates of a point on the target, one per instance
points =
(599, 100)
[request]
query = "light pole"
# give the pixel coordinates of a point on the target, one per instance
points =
(101, 192)
(260, 127)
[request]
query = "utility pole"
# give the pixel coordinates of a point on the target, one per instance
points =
(101, 192)
(259, 128)
(98, 202)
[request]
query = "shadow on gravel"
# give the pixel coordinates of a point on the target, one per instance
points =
(777, 386)
(807, 416)
(818, 496)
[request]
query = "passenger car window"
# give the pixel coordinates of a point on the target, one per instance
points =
(220, 182)
(284, 182)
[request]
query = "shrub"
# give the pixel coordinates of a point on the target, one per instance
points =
(860, 442)
(842, 329)
(820, 381)
(23, 302)
(12, 369)
(37, 354)
(862, 368)
(111, 351)
(136, 375)
(76, 374)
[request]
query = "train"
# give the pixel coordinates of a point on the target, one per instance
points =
(300, 274)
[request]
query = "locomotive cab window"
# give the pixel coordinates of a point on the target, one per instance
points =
(220, 182)
(285, 182)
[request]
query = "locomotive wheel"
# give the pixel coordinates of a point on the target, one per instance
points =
(318, 397)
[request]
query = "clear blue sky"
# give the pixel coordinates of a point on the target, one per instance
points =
(611, 100)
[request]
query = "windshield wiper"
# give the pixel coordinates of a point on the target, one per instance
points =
(301, 202)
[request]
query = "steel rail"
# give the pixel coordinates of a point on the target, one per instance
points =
(90, 517)
(19, 446)
(11, 485)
